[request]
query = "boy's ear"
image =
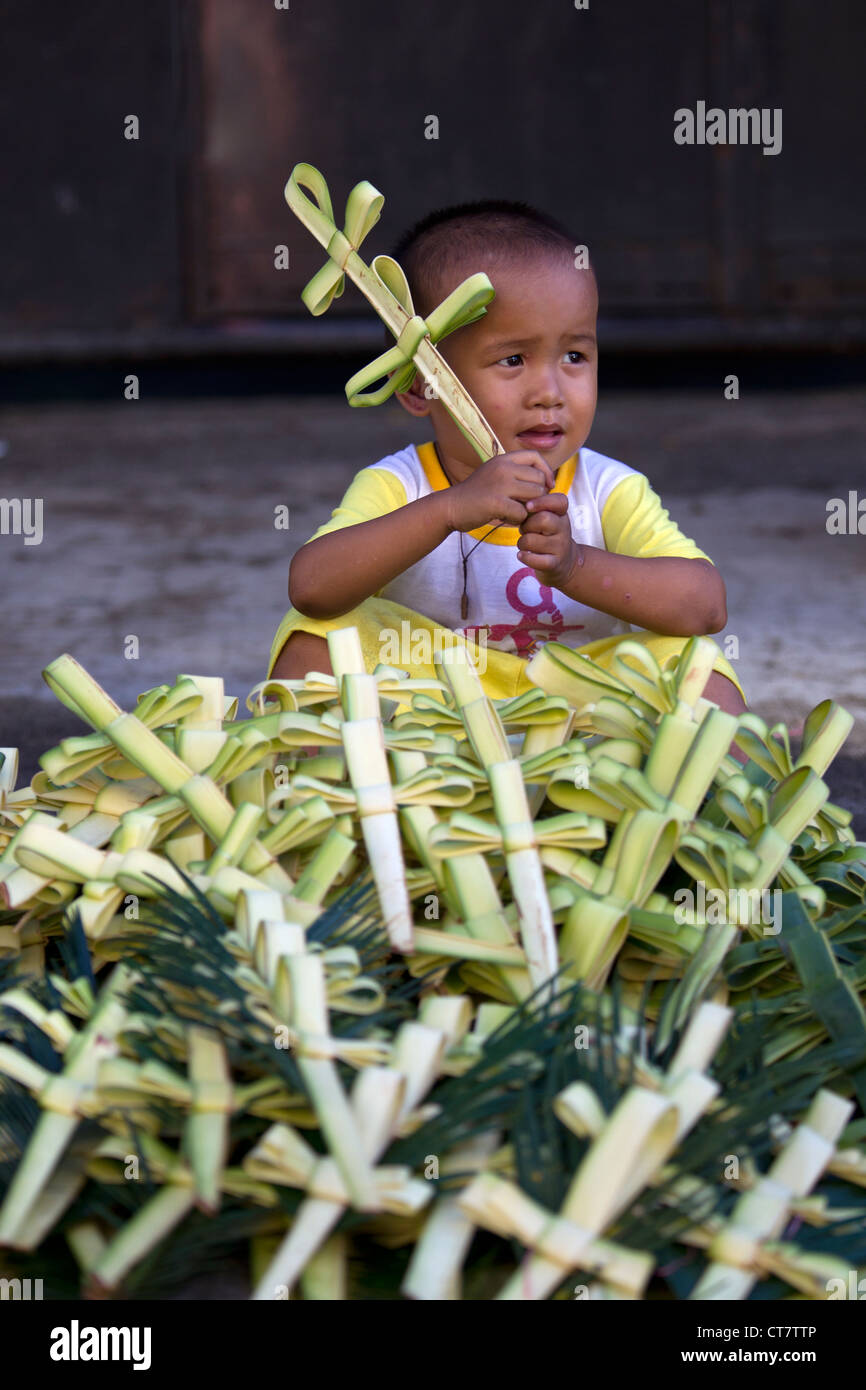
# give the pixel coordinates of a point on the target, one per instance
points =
(415, 401)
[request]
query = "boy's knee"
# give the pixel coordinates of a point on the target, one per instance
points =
(300, 653)
(722, 691)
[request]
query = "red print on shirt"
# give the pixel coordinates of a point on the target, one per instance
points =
(528, 633)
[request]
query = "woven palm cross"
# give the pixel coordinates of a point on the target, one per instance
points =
(384, 285)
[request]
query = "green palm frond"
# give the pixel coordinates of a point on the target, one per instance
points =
(285, 1078)
(490, 1094)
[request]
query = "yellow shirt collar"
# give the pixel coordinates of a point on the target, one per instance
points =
(503, 535)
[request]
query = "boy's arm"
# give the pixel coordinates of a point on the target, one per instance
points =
(333, 573)
(667, 594)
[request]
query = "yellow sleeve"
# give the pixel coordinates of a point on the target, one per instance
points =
(372, 492)
(634, 522)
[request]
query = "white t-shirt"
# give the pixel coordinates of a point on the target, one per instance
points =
(610, 506)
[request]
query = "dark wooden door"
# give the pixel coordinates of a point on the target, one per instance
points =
(570, 109)
(167, 242)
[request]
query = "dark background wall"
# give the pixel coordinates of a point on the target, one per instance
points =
(164, 246)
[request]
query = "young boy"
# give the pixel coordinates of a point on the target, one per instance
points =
(549, 541)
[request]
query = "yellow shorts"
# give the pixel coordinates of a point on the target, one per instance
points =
(503, 675)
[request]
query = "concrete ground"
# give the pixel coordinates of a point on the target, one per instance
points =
(158, 524)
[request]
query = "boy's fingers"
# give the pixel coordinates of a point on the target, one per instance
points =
(538, 545)
(535, 460)
(542, 524)
(546, 470)
(525, 492)
(556, 502)
(512, 511)
(540, 563)
(525, 473)
(528, 477)
(548, 478)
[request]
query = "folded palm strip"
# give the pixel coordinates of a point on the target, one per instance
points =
(321, 990)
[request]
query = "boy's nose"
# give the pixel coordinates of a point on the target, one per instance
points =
(545, 392)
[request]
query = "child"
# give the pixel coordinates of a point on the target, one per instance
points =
(549, 541)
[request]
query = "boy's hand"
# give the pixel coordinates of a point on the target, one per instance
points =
(498, 489)
(546, 543)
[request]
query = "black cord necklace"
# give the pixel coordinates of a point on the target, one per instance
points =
(464, 597)
(464, 556)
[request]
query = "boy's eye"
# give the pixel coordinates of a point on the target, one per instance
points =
(515, 358)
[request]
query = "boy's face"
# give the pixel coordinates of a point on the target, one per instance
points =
(530, 363)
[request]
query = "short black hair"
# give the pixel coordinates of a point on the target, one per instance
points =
(473, 235)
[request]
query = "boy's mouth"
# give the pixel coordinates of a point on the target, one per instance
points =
(541, 437)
